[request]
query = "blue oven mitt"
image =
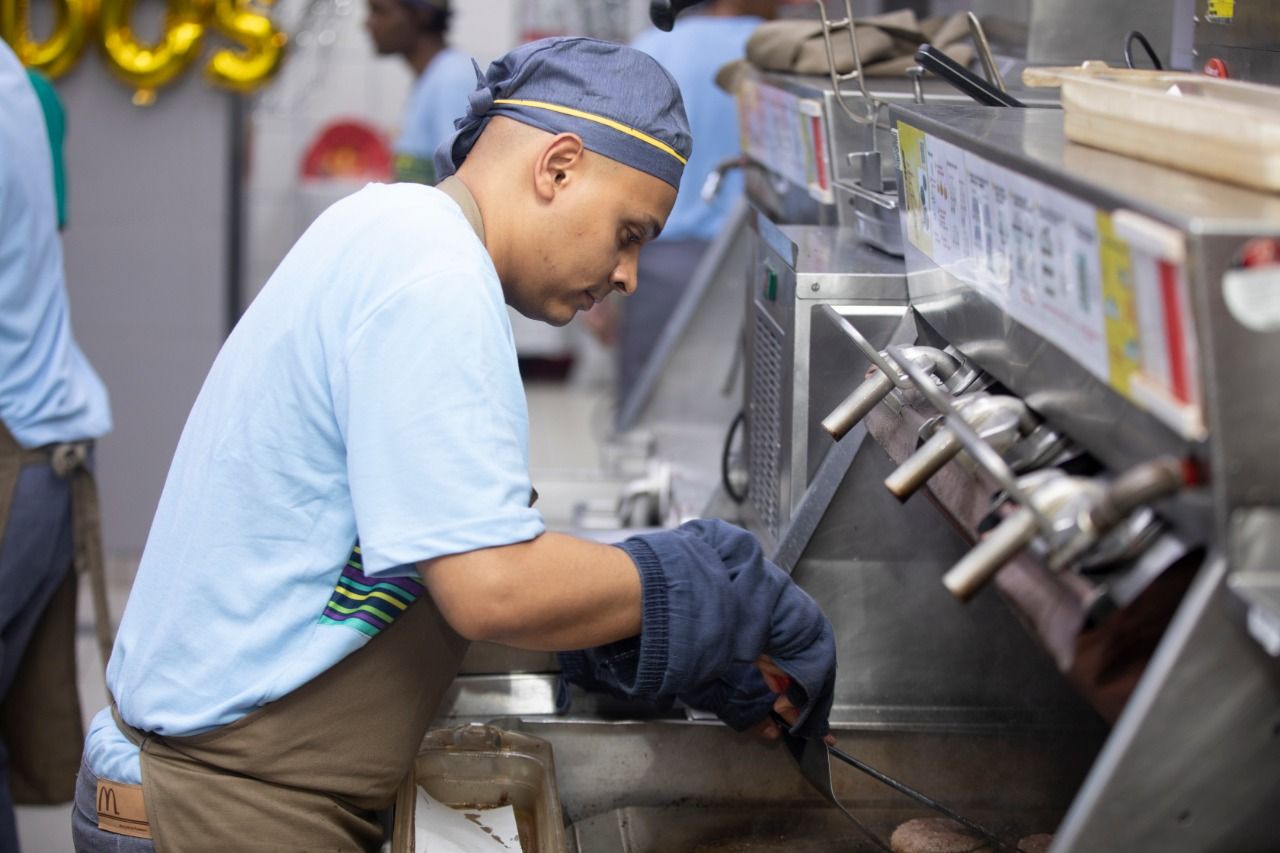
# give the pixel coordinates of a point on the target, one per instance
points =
(712, 604)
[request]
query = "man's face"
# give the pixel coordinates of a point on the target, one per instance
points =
(391, 25)
(589, 239)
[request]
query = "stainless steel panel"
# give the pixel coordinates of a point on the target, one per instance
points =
(909, 654)
(682, 769)
(1067, 32)
(1240, 367)
(1248, 43)
(808, 266)
(1192, 763)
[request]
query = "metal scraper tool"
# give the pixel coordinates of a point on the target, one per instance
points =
(815, 765)
(814, 758)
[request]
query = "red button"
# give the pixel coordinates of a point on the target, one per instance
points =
(1216, 68)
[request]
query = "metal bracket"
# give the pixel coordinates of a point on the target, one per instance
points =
(829, 28)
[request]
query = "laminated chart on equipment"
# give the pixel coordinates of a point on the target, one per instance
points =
(1108, 288)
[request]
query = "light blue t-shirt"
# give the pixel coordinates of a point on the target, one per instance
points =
(48, 391)
(439, 97)
(693, 52)
(370, 393)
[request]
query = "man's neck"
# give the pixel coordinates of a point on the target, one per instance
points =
(424, 50)
(481, 186)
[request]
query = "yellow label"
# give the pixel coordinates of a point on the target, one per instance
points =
(1223, 10)
(1119, 308)
(915, 185)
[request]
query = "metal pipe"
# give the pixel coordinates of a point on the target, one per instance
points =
(989, 556)
(1000, 421)
(857, 405)
(914, 74)
(711, 185)
(828, 28)
(984, 52)
(940, 449)
(1139, 485)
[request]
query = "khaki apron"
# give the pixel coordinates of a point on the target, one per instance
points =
(308, 771)
(40, 717)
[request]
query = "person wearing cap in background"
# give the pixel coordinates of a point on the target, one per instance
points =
(416, 30)
(52, 407)
(350, 504)
(707, 38)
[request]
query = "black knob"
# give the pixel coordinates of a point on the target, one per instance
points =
(663, 12)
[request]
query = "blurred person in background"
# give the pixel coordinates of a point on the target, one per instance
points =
(705, 40)
(52, 407)
(417, 31)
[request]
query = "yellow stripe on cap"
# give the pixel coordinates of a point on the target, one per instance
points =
(607, 122)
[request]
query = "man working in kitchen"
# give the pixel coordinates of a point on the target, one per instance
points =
(350, 502)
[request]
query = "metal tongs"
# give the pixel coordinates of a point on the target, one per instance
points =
(814, 759)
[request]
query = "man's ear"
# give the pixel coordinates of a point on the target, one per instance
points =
(558, 164)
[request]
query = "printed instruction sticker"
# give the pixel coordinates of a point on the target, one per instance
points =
(1106, 295)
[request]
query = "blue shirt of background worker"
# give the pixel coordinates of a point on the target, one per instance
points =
(693, 52)
(415, 30)
(49, 393)
(439, 96)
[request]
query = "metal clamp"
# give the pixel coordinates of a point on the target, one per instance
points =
(1000, 421)
(928, 362)
(1054, 501)
(981, 452)
(1080, 512)
(1117, 500)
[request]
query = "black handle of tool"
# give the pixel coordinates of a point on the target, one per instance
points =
(916, 795)
(963, 79)
(663, 12)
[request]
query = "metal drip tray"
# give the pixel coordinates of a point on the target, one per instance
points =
(674, 785)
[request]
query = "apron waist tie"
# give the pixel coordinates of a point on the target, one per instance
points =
(70, 461)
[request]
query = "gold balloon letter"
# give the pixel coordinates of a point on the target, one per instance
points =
(147, 67)
(263, 47)
(72, 19)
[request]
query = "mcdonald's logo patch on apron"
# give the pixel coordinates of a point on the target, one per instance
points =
(121, 810)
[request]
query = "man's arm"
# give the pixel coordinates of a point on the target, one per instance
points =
(552, 593)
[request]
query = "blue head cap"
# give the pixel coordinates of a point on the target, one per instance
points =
(620, 101)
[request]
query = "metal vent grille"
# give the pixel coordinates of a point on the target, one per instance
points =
(764, 422)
